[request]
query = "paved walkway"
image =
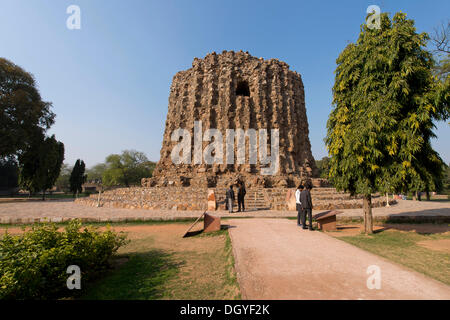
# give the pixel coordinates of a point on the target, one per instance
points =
(275, 259)
(63, 210)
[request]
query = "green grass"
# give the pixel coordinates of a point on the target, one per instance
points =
(403, 248)
(47, 196)
(142, 277)
(155, 271)
(231, 278)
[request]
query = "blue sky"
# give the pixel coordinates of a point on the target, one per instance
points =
(109, 82)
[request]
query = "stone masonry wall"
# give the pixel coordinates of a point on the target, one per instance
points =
(196, 198)
(235, 90)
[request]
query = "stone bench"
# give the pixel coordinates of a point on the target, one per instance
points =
(327, 220)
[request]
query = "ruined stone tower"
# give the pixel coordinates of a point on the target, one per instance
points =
(234, 90)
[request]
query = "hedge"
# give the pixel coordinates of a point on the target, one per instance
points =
(34, 265)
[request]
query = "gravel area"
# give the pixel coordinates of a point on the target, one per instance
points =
(63, 210)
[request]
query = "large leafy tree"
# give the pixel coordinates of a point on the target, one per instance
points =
(386, 100)
(23, 114)
(9, 173)
(77, 177)
(127, 168)
(40, 164)
(96, 172)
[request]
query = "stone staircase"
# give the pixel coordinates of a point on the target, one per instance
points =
(323, 198)
(256, 199)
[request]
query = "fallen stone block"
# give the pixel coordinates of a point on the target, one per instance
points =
(211, 223)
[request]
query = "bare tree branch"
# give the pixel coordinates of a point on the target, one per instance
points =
(440, 38)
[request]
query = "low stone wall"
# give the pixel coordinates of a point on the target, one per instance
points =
(172, 198)
(196, 198)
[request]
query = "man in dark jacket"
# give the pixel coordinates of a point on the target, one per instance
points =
(306, 203)
(230, 199)
(241, 194)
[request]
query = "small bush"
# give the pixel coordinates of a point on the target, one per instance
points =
(34, 264)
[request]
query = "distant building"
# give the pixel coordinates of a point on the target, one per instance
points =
(90, 187)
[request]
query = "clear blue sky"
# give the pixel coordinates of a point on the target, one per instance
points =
(109, 82)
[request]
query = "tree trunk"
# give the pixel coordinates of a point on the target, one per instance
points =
(368, 221)
(428, 195)
(43, 195)
(387, 199)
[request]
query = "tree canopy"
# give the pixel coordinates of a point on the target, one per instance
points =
(23, 114)
(40, 164)
(95, 174)
(77, 177)
(323, 167)
(127, 168)
(9, 173)
(386, 101)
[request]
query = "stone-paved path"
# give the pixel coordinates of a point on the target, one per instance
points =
(62, 210)
(275, 259)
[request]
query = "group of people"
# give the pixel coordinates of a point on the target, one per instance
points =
(302, 199)
(304, 205)
(230, 197)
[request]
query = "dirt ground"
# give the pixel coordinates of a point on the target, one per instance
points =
(168, 236)
(275, 259)
(421, 228)
(294, 264)
(202, 266)
(438, 245)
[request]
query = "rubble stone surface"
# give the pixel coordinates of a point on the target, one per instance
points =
(234, 90)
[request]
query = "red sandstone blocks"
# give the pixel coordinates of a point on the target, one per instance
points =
(211, 223)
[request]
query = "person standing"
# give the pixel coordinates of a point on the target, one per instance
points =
(230, 199)
(241, 194)
(298, 204)
(306, 203)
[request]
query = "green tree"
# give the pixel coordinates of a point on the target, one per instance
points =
(23, 114)
(386, 100)
(127, 168)
(446, 182)
(96, 172)
(9, 173)
(323, 167)
(77, 177)
(63, 181)
(40, 164)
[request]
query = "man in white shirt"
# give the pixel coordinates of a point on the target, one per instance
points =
(298, 204)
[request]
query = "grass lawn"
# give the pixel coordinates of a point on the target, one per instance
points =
(427, 253)
(159, 264)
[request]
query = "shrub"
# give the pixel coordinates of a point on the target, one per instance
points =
(33, 265)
